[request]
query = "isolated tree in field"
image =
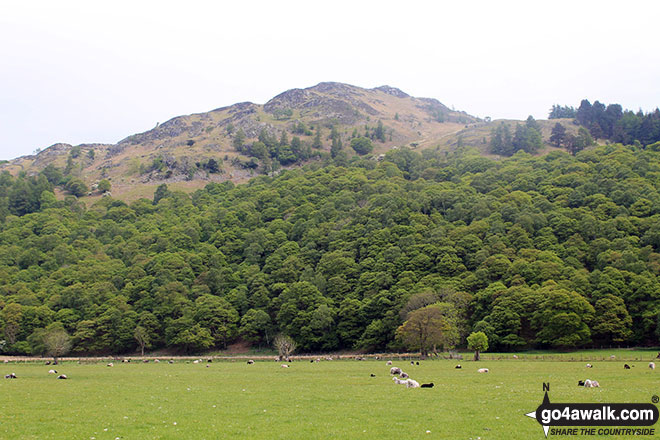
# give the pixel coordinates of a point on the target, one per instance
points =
(424, 329)
(285, 346)
(557, 135)
(477, 341)
(141, 335)
(57, 341)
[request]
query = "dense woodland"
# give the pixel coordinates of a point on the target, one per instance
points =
(554, 251)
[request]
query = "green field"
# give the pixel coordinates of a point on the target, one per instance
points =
(329, 399)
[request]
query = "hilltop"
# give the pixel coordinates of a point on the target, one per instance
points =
(187, 152)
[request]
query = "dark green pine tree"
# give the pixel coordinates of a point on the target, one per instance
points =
(557, 135)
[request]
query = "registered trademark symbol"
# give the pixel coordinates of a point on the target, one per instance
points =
(655, 399)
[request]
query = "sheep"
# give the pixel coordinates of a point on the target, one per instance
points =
(47, 362)
(11, 376)
(580, 383)
(62, 376)
(458, 367)
(591, 383)
(417, 363)
(52, 371)
(399, 381)
(196, 361)
(317, 360)
(110, 365)
(412, 362)
(284, 366)
(373, 375)
(388, 363)
(412, 383)
(395, 370)
(250, 362)
(482, 370)
(311, 361)
(515, 356)
(156, 361)
(170, 361)
(652, 365)
(589, 366)
(404, 375)
(626, 367)
(427, 385)
(612, 357)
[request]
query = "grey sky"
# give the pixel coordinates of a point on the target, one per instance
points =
(87, 71)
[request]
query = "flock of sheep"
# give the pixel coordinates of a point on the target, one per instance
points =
(588, 383)
(402, 379)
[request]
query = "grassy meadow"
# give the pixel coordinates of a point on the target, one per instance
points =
(329, 399)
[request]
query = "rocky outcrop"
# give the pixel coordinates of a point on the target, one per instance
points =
(327, 101)
(392, 91)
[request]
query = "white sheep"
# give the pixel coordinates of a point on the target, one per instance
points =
(395, 370)
(412, 383)
(482, 370)
(52, 372)
(404, 375)
(250, 362)
(589, 366)
(591, 383)
(652, 365)
(399, 381)
(62, 376)
(284, 366)
(388, 363)
(111, 364)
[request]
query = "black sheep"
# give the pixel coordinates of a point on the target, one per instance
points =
(626, 367)
(427, 385)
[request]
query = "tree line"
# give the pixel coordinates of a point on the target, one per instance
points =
(555, 251)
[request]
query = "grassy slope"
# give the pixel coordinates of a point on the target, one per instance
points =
(335, 399)
(411, 125)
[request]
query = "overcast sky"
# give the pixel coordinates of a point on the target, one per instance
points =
(88, 71)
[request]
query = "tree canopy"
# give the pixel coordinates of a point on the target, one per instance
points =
(559, 250)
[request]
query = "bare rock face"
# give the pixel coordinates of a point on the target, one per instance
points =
(392, 91)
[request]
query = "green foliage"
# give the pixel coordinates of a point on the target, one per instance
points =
(553, 251)
(361, 145)
(477, 341)
(558, 112)
(104, 186)
(239, 140)
(558, 135)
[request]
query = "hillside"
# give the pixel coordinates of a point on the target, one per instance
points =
(178, 151)
(535, 251)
